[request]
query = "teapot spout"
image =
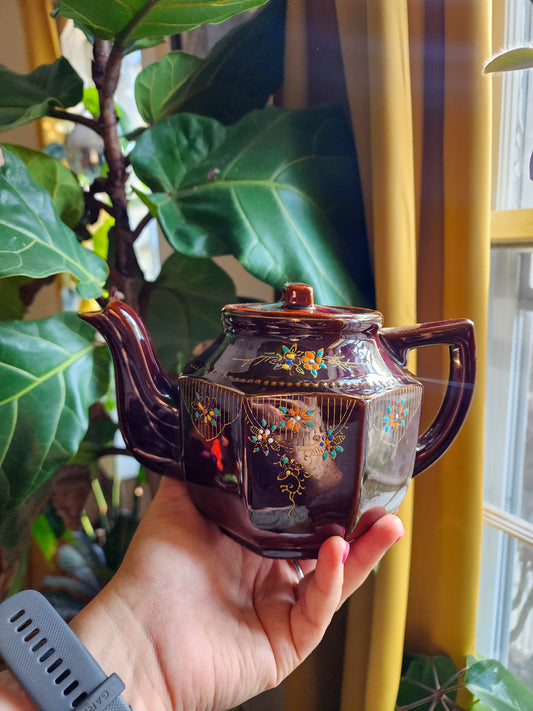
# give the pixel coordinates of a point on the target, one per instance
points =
(147, 402)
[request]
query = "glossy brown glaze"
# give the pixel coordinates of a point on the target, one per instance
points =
(299, 422)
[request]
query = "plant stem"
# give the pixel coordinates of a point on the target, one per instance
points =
(142, 224)
(75, 118)
(106, 73)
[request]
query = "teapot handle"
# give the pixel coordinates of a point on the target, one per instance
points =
(459, 335)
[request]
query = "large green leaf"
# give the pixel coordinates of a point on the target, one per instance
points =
(138, 19)
(280, 192)
(239, 74)
(176, 146)
(490, 682)
(158, 82)
(59, 182)
(33, 239)
(184, 307)
(50, 372)
(511, 60)
(26, 97)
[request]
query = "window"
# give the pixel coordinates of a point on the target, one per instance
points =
(505, 620)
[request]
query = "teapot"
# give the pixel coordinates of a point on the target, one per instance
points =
(297, 423)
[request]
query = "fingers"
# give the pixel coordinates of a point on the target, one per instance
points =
(340, 570)
(367, 551)
(320, 597)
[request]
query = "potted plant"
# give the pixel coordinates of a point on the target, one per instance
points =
(222, 172)
(432, 684)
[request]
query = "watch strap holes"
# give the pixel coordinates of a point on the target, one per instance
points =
(39, 645)
(62, 676)
(32, 634)
(17, 616)
(79, 699)
(47, 654)
(70, 688)
(24, 625)
(53, 666)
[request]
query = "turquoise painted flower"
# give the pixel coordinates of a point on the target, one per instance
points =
(263, 438)
(395, 417)
(331, 445)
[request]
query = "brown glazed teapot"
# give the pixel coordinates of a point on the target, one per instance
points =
(299, 422)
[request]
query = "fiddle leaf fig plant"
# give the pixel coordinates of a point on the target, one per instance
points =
(37, 242)
(267, 190)
(219, 169)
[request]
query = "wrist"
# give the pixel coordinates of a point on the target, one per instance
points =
(12, 695)
(50, 663)
(110, 629)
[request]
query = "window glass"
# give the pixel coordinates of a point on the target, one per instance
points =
(515, 142)
(505, 611)
(505, 615)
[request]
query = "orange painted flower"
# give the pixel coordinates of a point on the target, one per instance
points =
(296, 417)
(312, 360)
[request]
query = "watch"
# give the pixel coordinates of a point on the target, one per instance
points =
(50, 662)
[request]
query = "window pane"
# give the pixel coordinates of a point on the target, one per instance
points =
(509, 393)
(505, 615)
(514, 188)
(511, 606)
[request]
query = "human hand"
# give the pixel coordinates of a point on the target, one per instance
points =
(193, 620)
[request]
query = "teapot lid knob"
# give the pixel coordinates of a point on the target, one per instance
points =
(298, 296)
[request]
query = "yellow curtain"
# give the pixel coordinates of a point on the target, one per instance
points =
(42, 47)
(420, 111)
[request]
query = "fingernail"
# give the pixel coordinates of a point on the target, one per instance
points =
(346, 552)
(402, 534)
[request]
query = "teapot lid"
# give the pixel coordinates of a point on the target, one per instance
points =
(297, 300)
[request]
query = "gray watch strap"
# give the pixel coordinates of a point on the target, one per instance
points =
(49, 660)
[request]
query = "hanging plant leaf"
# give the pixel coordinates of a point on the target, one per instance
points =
(239, 74)
(33, 240)
(134, 19)
(427, 682)
(27, 97)
(271, 193)
(158, 82)
(511, 60)
(58, 181)
(50, 373)
(182, 312)
(491, 683)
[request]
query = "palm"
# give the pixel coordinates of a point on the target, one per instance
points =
(219, 623)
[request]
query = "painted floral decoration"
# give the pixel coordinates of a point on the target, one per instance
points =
(296, 417)
(395, 417)
(312, 360)
(206, 412)
(263, 438)
(288, 358)
(331, 445)
(292, 475)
